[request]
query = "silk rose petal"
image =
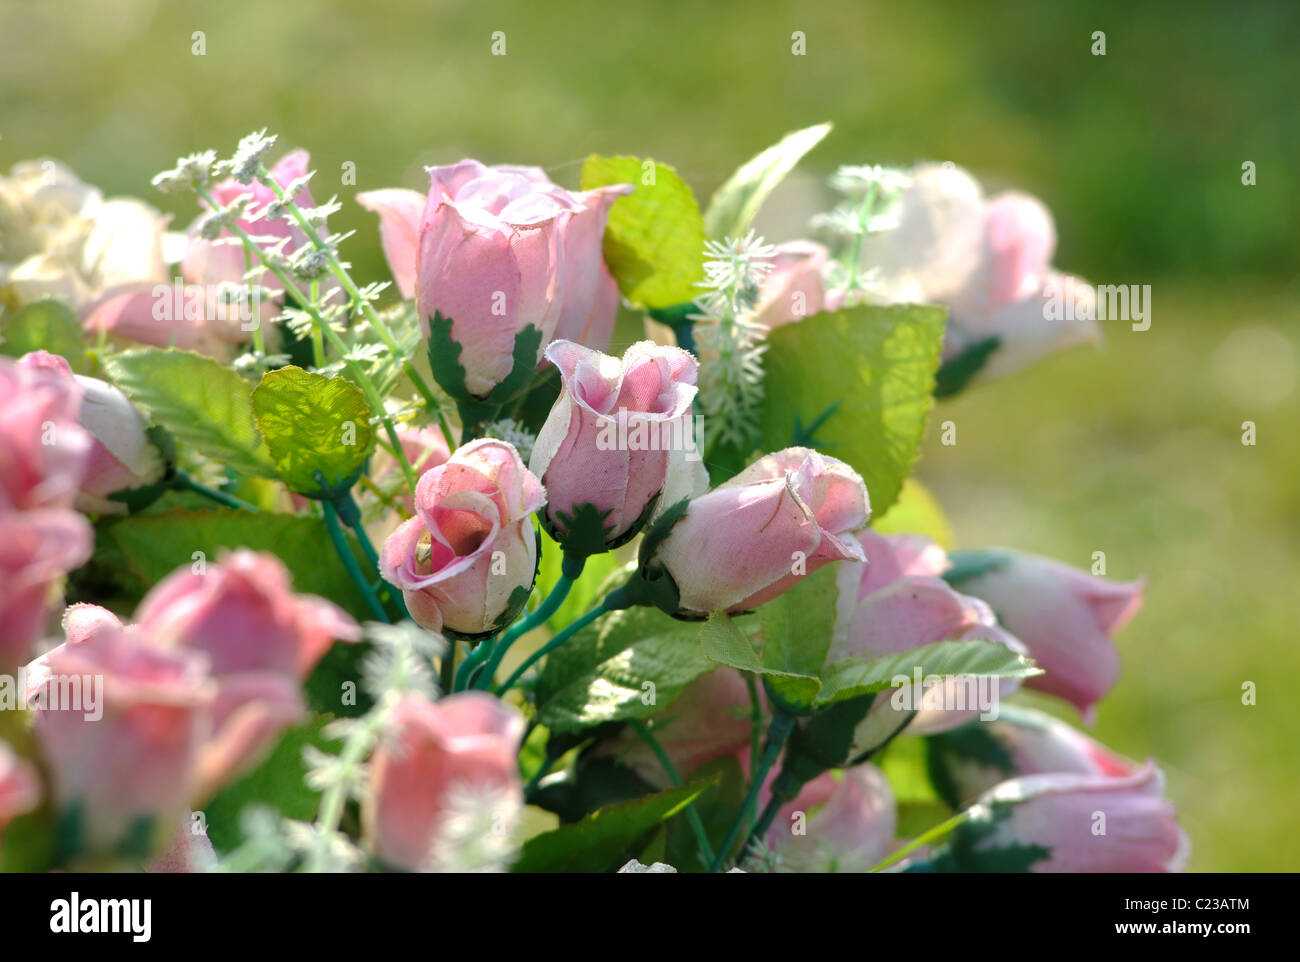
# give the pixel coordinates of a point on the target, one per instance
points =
(739, 545)
(610, 437)
(1066, 617)
(470, 552)
(465, 743)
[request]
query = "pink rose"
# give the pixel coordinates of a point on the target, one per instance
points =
(121, 455)
(1066, 617)
(795, 287)
(242, 613)
(464, 561)
(844, 825)
(894, 603)
(616, 433)
(36, 549)
(20, 788)
(465, 744)
(43, 448)
(742, 543)
(502, 249)
(1085, 822)
(152, 734)
(1034, 743)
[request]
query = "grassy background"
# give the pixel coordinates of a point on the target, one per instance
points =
(1135, 450)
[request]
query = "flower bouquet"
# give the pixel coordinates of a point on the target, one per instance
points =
(302, 571)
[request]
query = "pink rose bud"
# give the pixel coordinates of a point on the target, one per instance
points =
(20, 788)
(1066, 617)
(1082, 823)
(466, 563)
(43, 448)
(894, 603)
(135, 731)
(242, 613)
(844, 825)
(751, 538)
(122, 455)
(496, 257)
(435, 759)
(1031, 743)
(124, 757)
(399, 211)
(1019, 239)
(710, 719)
(795, 288)
(619, 429)
(36, 549)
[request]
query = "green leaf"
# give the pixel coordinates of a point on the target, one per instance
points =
(152, 546)
(797, 628)
(599, 675)
(915, 512)
(654, 240)
(724, 642)
(735, 203)
(45, 325)
(201, 402)
(944, 659)
(603, 841)
(956, 372)
(278, 783)
(314, 425)
(879, 363)
(716, 809)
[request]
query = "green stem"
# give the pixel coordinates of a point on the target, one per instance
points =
(854, 264)
(447, 675)
(933, 835)
(259, 341)
(777, 732)
(183, 482)
(358, 374)
(342, 549)
(756, 721)
(692, 816)
(335, 796)
(360, 303)
(570, 571)
(317, 339)
(606, 605)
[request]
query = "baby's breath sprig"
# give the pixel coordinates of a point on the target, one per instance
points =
(729, 342)
(227, 218)
(871, 193)
(326, 259)
(398, 665)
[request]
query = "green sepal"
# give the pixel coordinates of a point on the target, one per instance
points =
(651, 584)
(974, 562)
(956, 372)
(476, 411)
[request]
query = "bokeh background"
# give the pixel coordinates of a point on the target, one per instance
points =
(1134, 449)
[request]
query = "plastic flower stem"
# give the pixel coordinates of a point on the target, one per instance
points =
(317, 339)
(476, 658)
(353, 569)
(183, 482)
(349, 285)
(358, 375)
(570, 571)
(606, 605)
(933, 835)
(756, 719)
(763, 824)
(259, 342)
(854, 263)
(447, 676)
(777, 732)
(692, 816)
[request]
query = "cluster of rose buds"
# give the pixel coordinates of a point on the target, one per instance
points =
(194, 691)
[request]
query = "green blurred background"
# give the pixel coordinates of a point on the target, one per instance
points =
(1134, 450)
